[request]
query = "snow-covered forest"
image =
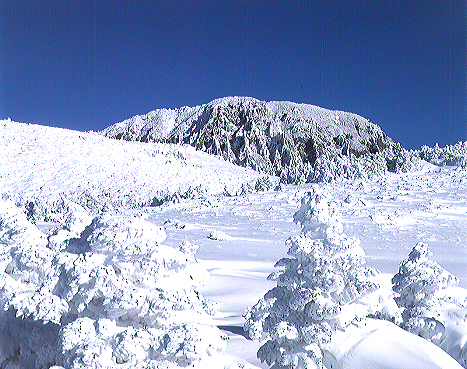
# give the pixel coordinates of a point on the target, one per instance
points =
(119, 254)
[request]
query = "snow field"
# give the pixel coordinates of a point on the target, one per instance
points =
(113, 292)
(265, 220)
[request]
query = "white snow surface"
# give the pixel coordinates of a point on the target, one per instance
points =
(72, 177)
(98, 173)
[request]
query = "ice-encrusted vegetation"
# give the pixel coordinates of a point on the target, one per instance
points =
(431, 307)
(321, 290)
(455, 155)
(278, 138)
(297, 142)
(349, 167)
(105, 294)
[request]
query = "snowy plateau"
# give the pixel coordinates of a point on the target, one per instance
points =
(118, 254)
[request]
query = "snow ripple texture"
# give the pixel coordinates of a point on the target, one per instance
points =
(107, 294)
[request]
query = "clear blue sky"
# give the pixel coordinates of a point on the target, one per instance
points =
(86, 64)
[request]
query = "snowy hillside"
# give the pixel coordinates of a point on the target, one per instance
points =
(278, 138)
(119, 254)
(43, 164)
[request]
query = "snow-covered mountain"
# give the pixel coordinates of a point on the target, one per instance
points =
(277, 138)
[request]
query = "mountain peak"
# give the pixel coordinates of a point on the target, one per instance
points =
(270, 137)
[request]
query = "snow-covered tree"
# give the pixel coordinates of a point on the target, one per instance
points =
(114, 296)
(316, 292)
(433, 307)
(450, 155)
(400, 160)
(418, 284)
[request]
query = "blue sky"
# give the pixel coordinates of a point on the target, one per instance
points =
(87, 64)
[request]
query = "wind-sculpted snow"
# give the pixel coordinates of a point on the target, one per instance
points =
(432, 308)
(112, 296)
(283, 139)
(44, 169)
(321, 290)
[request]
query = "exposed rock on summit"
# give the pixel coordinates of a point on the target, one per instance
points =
(270, 137)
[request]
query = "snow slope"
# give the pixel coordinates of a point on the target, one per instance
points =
(62, 179)
(44, 164)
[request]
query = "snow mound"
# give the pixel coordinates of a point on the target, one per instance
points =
(113, 297)
(44, 169)
(383, 345)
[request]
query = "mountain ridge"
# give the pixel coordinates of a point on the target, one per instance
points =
(270, 137)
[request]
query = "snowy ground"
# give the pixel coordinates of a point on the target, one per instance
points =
(389, 216)
(241, 237)
(100, 174)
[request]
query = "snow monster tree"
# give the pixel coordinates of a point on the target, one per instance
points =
(108, 296)
(418, 284)
(432, 306)
(316, 291)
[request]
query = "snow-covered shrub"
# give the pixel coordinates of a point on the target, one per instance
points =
(348, 167)
(417, 282)
(219, 236)
(430, 302)
(71, 216)
(400, 160)
(264, 183)
(341, 167)
(297, 174)
(455, 155)
(318, 292)
(114, 295)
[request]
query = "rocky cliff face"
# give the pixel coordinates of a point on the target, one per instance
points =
(271, 137)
